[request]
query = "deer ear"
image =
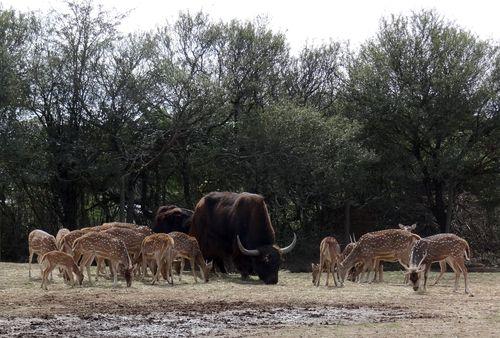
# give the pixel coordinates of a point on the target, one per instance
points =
(414, 226)
(401, 226)
(210, 265)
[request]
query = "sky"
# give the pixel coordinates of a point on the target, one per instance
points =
(306, 21)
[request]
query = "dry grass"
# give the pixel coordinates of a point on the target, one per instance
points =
(438, 312)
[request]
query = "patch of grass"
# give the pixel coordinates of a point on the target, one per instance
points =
(437, 312)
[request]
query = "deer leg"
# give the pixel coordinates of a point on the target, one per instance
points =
(191, 260)
(115, 273)
(458, 272)
(335, 269)
(202, 271)
(156, 277)
(442, 268)
(328, 270)
(462, 269)
(182, 269)
(368, 268)
(170, 259)
(44, 278)
(466, 278)
(29, 261)
(85, 262)
(98, 269)
(381, 272)
(375, 265)
(338, 273)
(69, 273)
(427, 268)
(320, 269)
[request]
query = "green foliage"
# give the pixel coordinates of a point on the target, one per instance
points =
(425, 92)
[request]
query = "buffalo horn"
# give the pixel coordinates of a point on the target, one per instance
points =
(291, 246)
(244, 251)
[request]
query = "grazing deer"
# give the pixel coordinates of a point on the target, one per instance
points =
(329, 258)
(39, 243)
(352, 273)
(378, 262)
(385, 243)
(132, 237)
(106, 246)
(69, 239)
(60, 234)
(186, 247)
(53, 259)
(437, 248)
(158, 248)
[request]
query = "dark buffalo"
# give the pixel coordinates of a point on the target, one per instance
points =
(237, 226)
(172, 218)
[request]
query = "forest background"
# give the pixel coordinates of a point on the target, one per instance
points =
(97, 125)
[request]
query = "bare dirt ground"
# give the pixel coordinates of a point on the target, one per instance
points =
(227, 306)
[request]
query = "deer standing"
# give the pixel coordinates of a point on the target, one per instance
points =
(160, 249)
(132, 237)
(60, 234)
(53, 259)
(39, 243)
(186, 247)
(329, 258)
(437, 248)
(385, 243)
(106, 246)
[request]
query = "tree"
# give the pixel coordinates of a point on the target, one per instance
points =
(64, 66)
(424, 90)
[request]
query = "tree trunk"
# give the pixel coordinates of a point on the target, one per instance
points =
(439, 209)
(186, 182)
(347, 220)
(449, 211)
(68, 197)
(121, 213)
(130, 199)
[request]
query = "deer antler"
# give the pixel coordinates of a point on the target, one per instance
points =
(419, 264)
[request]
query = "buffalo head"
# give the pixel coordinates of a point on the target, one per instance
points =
(267, 259)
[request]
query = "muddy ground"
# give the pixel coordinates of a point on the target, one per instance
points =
(227, 306)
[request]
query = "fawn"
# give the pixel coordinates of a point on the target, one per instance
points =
(39, 243)
(53, 259)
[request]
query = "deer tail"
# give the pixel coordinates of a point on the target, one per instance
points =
(467, 252)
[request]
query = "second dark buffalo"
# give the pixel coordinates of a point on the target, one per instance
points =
(237, 226)
(172, 218)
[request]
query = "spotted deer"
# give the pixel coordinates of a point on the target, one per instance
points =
(54, 259)
(385, 243)
(158, 248)
(39, 243)
(68, 240)
(106, 246)
(131, 237)
(329, 258)
(186, 247)
(60, 234)
(449, 247)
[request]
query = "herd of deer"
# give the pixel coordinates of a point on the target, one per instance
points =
(131, 249)
(127, 248)
(414, 253)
